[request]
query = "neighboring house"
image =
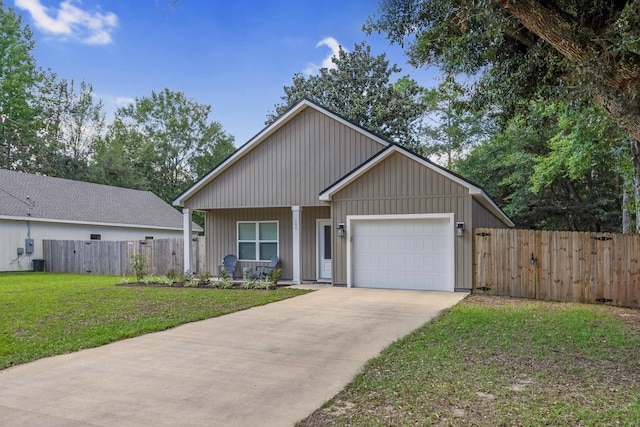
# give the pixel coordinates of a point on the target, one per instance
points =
(339, 204)
(34, 207)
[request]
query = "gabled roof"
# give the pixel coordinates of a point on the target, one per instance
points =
(390, 148)
(475, 191)
(67, 201)
(264, 134)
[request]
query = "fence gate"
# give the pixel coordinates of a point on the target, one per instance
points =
(558, 265)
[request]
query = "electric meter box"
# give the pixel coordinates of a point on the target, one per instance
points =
(28, 246)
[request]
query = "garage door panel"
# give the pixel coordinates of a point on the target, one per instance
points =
(411, 253)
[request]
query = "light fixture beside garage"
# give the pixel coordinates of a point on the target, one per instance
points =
(340, 230)
(459, 229)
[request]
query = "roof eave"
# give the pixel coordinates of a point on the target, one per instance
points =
(196, 227)
(474, 191)
(343, 182)
(488, 203)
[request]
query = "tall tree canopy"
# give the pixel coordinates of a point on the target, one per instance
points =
(73, 119)
(555, 166)
(19, 78)
(450, 127)
(360, 89)
(162, 142)
(522, 46)
(523, 51)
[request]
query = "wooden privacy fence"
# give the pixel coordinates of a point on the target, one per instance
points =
(113, 258)
(558, 265)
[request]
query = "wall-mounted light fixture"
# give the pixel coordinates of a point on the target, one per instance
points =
(459, 229)
(533, 259)
(340, 230)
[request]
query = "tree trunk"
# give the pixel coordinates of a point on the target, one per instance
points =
(613, 85)
(626, 214)
(635, 159)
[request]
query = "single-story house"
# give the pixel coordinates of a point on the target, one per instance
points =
(339, 204)
(34, 208)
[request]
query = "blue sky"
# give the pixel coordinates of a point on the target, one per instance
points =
(235, 55)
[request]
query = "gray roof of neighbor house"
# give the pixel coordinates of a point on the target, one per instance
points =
(64, 200)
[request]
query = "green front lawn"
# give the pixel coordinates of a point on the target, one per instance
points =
(45, 314)
(492, 361)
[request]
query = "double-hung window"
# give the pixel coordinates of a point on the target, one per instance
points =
(258, 240)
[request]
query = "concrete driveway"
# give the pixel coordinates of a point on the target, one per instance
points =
(267, 366)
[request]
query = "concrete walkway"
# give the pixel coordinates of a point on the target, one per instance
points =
(267, 366)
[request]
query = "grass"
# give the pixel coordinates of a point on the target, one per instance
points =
(45, 314)
(492, 361)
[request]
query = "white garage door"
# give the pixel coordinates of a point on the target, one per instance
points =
(407, 253)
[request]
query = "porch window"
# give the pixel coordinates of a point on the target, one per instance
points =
(258, 240)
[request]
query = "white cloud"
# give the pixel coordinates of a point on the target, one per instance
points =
(123, 101)
(113, 102)
(332, 44)
(69, 21)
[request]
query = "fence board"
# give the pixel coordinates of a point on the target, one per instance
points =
(569, 266)
(113, 258)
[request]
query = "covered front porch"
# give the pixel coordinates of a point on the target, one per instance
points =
(301, 237)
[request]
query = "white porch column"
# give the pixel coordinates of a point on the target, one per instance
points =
(187, 233)
(296, 214)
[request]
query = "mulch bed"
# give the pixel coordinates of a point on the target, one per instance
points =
(203, 284)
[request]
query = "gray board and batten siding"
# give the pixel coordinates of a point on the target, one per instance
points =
(398, 186)
(483, 218)
(291, 166)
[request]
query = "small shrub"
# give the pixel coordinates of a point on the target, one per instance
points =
(263, 284)
(165, 280)
(224, 281)
(275, 276)
(204, 276)
(171, 274)
(139, 266)
(190, 280)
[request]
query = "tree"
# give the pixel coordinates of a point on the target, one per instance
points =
(72, 120)
(550, 173)
(524, 49)
(116, 160)
(359, 88)
(19, 76)
(162, 142)
(451, 127)
(522, 46)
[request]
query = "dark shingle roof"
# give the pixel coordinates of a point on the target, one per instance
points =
(67, 200)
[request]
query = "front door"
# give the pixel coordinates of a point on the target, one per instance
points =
(324, 250)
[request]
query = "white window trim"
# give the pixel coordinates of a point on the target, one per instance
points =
(257, 241)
